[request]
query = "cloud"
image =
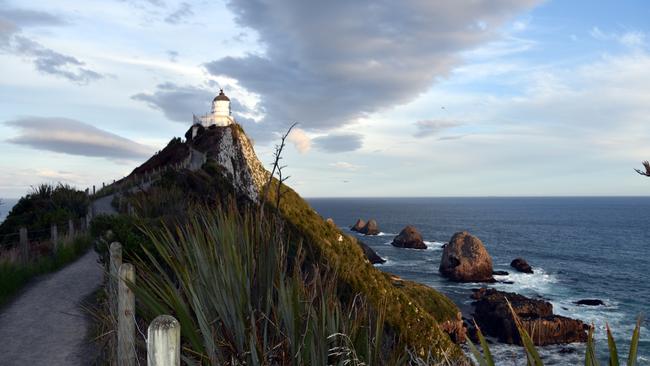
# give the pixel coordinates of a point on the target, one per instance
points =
(327, 64)
(139, 3)
(51, 62)
(433, 127)
(300, 140)
(338, 142)
(630, 39)
(345, 166)
(73, 137)
(46, 60)
(178, 102)
(183, 12)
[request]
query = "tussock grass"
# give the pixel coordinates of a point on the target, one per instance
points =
(241, 299)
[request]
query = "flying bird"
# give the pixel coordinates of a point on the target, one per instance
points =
(646, 164)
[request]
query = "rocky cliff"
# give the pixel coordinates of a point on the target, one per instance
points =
(421, 318)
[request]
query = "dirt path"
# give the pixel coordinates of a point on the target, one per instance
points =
(45, 324)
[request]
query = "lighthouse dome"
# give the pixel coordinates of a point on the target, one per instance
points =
(221, 96)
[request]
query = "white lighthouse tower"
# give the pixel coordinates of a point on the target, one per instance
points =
(220, 114)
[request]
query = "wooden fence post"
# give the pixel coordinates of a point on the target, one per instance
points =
(115, 263)
(70, 228)
(164, 342)
(24, 244)
(54, 237)
(126, 318)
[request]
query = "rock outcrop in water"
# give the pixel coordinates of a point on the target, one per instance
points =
(409, 237)
(371, 228)
(367, 228)
(521, 265)
(358, 226)
(493, 316)
(590, 302)
(465, 259)
(372, 256)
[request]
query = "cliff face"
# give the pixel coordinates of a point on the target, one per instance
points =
(223, 159)
(231, 149)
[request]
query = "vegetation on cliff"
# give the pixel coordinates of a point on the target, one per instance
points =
(414, 316)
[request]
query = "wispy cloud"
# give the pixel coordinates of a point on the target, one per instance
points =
(46, 60)
(182, 12)
(433, 127)
(630, 39)
(344, 165)
(69, 136)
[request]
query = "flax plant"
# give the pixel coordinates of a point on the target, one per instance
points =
(241, 299)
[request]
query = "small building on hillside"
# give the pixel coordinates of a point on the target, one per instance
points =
(220, 114)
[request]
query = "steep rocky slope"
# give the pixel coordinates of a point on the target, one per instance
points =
(422, 318)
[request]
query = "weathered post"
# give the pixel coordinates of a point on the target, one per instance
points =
(115, 263)
(54, 237)
(70, 229)
(164, 342)
(126, 318)
(24, 244)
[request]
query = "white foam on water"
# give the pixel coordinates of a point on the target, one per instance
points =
(537, 283)
(389, 262)
(381, 233)
(433, 245)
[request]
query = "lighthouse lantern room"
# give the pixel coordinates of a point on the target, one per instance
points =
(220, 114)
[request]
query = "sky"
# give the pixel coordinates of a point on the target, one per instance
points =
(392, 98)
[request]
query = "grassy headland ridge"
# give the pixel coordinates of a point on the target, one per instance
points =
(415, 316)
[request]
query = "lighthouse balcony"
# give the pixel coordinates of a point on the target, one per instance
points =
(213, 120)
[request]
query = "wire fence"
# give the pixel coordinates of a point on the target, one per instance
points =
(27, 245)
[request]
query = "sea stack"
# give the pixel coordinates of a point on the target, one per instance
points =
(358, 226)
(371, 228)
(465, 259)
(521, 265)
(409, 237)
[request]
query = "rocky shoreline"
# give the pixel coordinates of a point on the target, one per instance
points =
(465, 259)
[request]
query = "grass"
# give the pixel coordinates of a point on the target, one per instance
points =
(14, 275)
(227, 278)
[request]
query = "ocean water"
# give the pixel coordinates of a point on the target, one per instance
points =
(5, 206)
(579, 248)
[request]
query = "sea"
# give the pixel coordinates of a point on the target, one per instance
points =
(6, 204)
(579, 248)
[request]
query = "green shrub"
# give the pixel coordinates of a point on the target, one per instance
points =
(43, 206)
(125, 230)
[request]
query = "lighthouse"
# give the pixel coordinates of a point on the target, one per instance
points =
(220, 115)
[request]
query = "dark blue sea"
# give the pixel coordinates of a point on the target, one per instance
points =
(6, 204)
(579, 248)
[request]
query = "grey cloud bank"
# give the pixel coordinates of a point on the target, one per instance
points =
(328, 63)
(69, 136)
(336, 143)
